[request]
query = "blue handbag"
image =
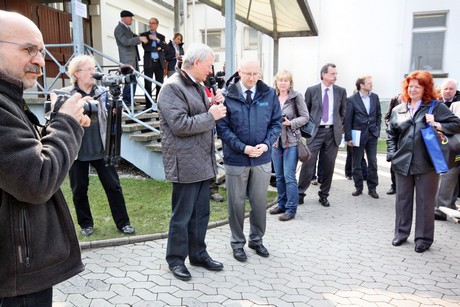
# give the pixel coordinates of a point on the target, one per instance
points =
(432, 143)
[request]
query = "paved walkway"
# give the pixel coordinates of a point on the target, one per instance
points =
(337, 256)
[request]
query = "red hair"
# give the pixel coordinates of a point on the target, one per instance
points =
(425, 80)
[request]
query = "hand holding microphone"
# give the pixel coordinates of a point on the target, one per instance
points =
(217, 97)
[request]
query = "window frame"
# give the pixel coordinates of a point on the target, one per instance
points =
(424, 29)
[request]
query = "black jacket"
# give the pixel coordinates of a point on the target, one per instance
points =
(160, 48)
(38, 244)
(170, 55)
(405, 145)
(357, 118)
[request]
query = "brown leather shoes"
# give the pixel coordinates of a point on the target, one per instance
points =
(373, 194)
(276, 210)
(285, 217)
(357, 192)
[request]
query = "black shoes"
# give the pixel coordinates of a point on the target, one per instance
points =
(398, 242)
(128, 230)
(349, 178)
(420, 248)
(439, 215)
(276, 210)
(373, 194)
(87, 231)
(260, 249)
(324, 202)
(391, 191)
(357, 192)
(239, 254)
(209, 264)
(180, 272)
(301, 199)
(285, 217)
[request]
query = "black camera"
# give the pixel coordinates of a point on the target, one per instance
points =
(111, 80)
(90, 107)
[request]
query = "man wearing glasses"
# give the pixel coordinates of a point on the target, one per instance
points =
(39, 247)
(248, 131)
(154, 58)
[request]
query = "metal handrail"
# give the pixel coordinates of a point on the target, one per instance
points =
(47, 87)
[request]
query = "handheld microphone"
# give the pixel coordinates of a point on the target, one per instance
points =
(213, 85)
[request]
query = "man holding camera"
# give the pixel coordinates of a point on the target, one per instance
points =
(92, 152)
(39, 247)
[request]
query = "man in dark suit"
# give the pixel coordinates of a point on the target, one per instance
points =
(154, 59)
(326, 103)
(363, 115)
(127, 43)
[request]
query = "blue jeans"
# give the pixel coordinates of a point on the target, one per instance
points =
(285, 163)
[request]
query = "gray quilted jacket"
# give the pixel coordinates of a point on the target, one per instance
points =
(187, 130)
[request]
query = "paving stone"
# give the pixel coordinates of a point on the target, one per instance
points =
(145, 295)
(318, 259)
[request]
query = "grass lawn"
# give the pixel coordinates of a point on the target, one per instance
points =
(381, 146)
(148, 202)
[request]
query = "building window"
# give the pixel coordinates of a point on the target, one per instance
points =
(251, 38)
(142, 27)
(428, 35)
(213, 38)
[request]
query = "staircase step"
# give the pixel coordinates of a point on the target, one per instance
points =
(220, 178)
(137, 127)
(145, 137)
(151, 115)
(154, 147)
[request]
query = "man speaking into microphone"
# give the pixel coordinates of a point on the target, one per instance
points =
(326, 103)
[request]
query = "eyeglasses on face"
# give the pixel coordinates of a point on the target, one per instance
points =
(250, 74)
(31, 49)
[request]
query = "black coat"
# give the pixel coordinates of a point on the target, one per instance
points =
(405, 145)
(357, 118)
(38, 244)
(170, 55)
(160, 48)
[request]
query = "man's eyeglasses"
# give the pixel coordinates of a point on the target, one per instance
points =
(31, 49)
(251, 74)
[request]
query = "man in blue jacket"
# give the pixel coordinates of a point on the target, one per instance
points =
(250, 128)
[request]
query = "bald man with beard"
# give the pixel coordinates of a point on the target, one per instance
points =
(39, 246)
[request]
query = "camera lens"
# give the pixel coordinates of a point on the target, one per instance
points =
(90, 108)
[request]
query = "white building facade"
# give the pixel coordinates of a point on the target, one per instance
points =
(385, 39)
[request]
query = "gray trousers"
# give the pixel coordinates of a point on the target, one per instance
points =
(425, 186)
(448, 189)
(242, 182)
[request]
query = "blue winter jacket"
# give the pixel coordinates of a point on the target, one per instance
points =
(249, 124)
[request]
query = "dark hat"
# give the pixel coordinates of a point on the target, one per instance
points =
(126, 14)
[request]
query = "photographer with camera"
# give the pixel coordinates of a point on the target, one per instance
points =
(39, 247)
(81, 70)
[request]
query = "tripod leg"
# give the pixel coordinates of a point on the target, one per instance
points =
(109, 135)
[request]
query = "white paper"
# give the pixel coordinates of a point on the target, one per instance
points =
(356, 137)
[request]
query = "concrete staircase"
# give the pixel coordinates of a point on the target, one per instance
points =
(142, 147)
